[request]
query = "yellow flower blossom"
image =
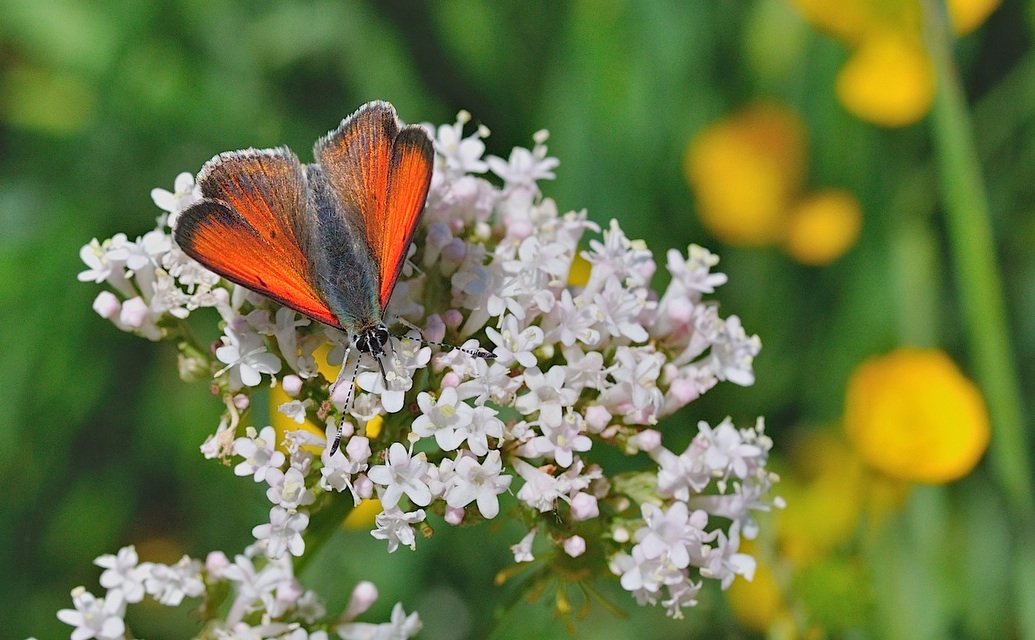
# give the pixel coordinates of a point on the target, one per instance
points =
(888, 79)
(744, 170)
(967, 15)
(757, 605)
(822, 226)
(578, 274)
(912, 415)
(824, 491)
(362, 517)
(747, 172)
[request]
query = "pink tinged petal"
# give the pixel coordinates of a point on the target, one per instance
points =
(364, 595)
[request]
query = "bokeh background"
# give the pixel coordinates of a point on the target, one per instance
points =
(816, 146)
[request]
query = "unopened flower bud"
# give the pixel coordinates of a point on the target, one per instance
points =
(575, 546)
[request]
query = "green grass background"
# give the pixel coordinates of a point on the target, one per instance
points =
(102, 100)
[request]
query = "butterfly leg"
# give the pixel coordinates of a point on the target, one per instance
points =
(347, 373)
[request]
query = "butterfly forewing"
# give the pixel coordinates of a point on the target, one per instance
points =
(249, 227)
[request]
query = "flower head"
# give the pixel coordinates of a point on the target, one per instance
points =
(587, 357)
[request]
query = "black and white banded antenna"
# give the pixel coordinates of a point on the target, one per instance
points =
(475, 353)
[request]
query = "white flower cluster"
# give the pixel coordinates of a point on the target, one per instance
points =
(268, 602)
(587, 356)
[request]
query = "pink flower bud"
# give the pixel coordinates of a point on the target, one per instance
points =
(597, 417)
(575, 546)
(646, 440)
(363, 597)
(453, 318)
(341, 393)
(134, 312)
(454, 516)
(364, 487)
(453, 255)
(519, 228)
(358, 449)
(107, 305)
(291, 384)
(215, 562)
(584, 506)
(434, 328)
(683, 391)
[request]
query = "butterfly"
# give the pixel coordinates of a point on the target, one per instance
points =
(327, 239)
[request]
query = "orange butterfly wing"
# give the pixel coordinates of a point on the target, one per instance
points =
(249, 227)
(381, 171)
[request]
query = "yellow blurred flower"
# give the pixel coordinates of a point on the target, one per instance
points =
(278, 396)
(362, 517)
(967, 15)
(578, 274)
(747, 172)
(888, 79)
(912, 415)
(744, 171)
(758, 604)
(824, 490)
(850, 20)
(822, 226)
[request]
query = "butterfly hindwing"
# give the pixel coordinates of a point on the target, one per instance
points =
(380, 172)
(250, 225)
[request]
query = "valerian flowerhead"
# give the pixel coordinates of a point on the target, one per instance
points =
(588, 357)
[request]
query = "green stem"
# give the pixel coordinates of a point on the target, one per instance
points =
(981, 298)
(976, 269)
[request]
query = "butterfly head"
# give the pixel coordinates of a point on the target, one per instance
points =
(372, 339)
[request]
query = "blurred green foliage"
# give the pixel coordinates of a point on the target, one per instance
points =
(101, 101)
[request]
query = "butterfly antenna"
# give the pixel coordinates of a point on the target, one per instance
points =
(337, 441)
(477, 353)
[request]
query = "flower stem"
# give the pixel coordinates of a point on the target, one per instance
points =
(966, 209)
(981, 297)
